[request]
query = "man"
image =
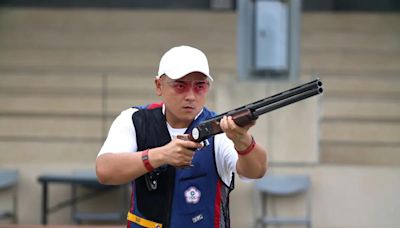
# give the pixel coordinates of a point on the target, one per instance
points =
(176, 182)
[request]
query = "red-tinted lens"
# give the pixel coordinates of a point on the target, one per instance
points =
(181, 86)
(199, 87)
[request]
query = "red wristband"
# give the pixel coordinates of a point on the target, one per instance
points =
(146, 162)
(248, 149)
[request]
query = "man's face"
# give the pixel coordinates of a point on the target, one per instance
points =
(183, 98)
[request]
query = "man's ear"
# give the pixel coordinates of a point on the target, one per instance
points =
(157, 82)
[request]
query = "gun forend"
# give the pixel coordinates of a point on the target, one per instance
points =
(211, 127)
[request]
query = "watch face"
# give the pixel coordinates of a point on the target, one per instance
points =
(195, 133)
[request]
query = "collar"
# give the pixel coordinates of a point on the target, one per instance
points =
(197, 116)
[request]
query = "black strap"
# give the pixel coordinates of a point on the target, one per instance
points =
(151, 131)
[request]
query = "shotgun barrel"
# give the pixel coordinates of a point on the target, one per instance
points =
(245, 114)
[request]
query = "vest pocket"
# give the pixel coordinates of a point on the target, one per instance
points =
(194, 197)
(193, 193)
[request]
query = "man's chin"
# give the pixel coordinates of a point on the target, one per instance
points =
(189, 116)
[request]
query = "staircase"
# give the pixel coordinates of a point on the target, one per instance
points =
(358, 58)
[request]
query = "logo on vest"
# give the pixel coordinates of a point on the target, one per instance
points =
(204, 143)
(197, 218)
(192, 195)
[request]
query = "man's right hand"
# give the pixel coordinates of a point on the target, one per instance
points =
(179, 152)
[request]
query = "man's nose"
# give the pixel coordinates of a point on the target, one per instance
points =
(190, 94)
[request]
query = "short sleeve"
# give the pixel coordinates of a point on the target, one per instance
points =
(226, 157)
(122, 135)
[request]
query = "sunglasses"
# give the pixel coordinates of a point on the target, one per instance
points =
(198, 86)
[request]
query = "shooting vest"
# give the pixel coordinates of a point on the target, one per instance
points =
(183, 197)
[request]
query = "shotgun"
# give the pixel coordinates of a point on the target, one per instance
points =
(244, 115)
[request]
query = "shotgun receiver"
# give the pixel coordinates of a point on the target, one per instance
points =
(244, 115)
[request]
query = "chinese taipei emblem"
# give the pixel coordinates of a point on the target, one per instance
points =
(192, 195)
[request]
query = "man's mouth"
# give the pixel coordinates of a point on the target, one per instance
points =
(188, 108)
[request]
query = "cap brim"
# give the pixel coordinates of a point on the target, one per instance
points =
(181, 75)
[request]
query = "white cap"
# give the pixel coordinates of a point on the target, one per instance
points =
(180, 61)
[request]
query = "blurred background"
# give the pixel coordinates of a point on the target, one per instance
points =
(67, 68)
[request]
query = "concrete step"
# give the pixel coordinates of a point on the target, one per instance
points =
(371, 154)
(83, 81)
(361, 132)
(45, 152)
(131, 40)
(375, 86)
(42, 127)
(56, 80)
(48, 104)
(360, 109)
(67, 58)
(346, 41)
(89, 20)
(352, 22)
(348, 62)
